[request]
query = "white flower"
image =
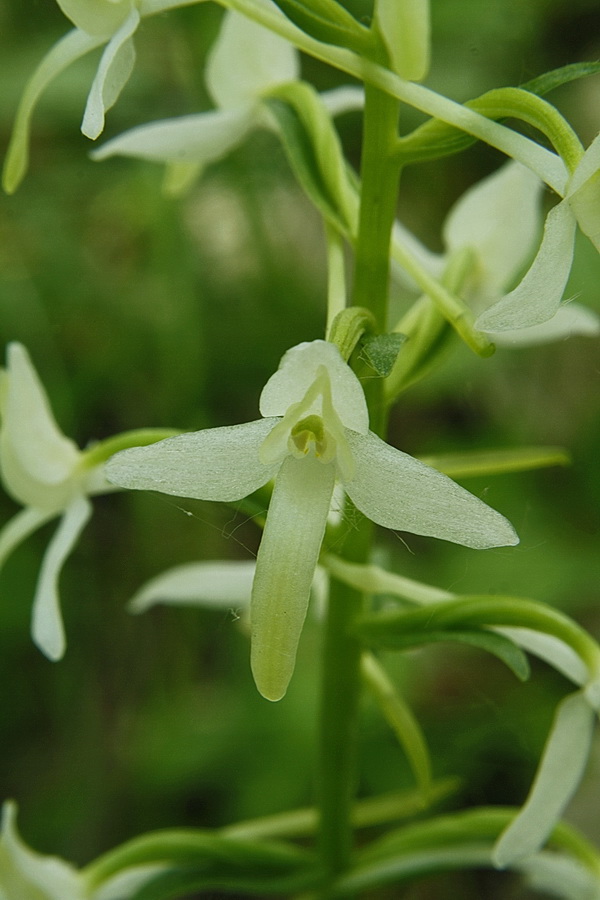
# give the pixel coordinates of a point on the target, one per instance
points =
(497, 222)
(245, 63)
(97, 22)
(45, 472)
(25, 875)
(315, 430)
(537, 298)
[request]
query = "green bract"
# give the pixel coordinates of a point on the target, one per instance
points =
(246, 62)
(314, 432)
(97, 22)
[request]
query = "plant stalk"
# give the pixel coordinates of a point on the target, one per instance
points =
(380, 173)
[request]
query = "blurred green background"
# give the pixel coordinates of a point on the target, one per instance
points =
(139, 310)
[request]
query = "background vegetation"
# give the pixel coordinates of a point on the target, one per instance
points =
(140, 310)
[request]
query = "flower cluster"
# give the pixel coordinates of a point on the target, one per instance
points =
(245, 63)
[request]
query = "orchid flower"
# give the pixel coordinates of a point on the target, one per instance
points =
(97, 22)
(315, 431)
(245, 63)
(495, 224)
(537, 298)
(45, 472)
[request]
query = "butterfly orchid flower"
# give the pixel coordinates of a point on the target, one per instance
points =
(97, 23)
(246, 62)
(537, 298)
(45, 472)
(495, 224)
(315, 431)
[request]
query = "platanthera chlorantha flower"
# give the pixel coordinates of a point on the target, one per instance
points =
(537, 298)
(97, 22)
(315, 431)
(494, 227)
(245, 63)
(45, 471)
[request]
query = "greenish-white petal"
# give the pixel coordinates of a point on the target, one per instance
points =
(285, 566)
(215, 585)
(537, 297)
(400, 492)
(47, 626)
(552, 650)
(584, 193)
(69, 48)
(570, 320)
(116, 66)
(246, 60)
(343, 99)
(36, 459)
(558, 875)
(26, 875)
(201, 138)
(500, 218)
(560, 771)
(19, 528)
(214, 464)
(99, 17)
(298, 370)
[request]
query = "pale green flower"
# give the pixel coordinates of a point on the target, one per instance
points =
(245, 63)
(537, 298)
(45, 472)
(496, 224)
(315, 431)
(97, 22)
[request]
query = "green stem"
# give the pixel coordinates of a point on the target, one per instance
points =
(380, 173)
(342, 650)
(339, 711)
(544, 163)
